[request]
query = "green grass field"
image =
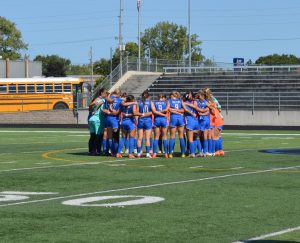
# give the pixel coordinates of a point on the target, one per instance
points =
(241, 196)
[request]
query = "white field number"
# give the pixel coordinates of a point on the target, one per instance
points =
(88, 201)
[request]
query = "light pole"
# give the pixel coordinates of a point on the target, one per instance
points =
(190, 41)
(139, 33)
(121, 40)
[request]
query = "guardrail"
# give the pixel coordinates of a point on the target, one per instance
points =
(231, 68)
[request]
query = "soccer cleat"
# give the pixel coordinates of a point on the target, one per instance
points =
(154, 156)
(126, 151)
(139, 156)
(192, 156)
(131, 156)
(183, 156)
(170, 156)
(221, 153)
(217, 153)
(148, 155)
(159, 152)
(119, 156)
(166, 156)
(135, 151)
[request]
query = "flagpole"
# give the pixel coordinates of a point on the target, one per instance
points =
(139, 35)
(190, 41)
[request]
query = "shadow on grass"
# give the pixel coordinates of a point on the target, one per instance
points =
(269, 241)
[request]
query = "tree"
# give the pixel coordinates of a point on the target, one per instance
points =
(277, 59)
(170, 41)
(54, 66)
(79, 69)
(11, 42)
(102, 67)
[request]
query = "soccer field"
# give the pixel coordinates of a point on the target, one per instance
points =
(52, 191)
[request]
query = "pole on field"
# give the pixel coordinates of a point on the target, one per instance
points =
(121, 40)
(139, 32)
(92, 69)
(111, 56)
(190, 41)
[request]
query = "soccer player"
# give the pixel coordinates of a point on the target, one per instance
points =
(128, 125)
(112, 120)
(191, 121)
(96, 123)
(160, 110)
(144, 112)
(176, 123)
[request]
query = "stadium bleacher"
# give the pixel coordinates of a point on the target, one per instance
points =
(238, 90)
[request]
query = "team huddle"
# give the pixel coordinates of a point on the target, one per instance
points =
(196, 118)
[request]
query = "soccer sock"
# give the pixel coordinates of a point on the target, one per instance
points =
(104, 143)
(192, 147)
(110, 145)
(205, 146)
(92, 147)
(160, 144)
(135, 143)
(209, 146)
(166, 150)
(172, 145)
(131, 144)
(126, 143)
(213, 147)
(188, 148)
(155, 146)
(221, 143)
(148, 148)
(99, 143)
(139, 149)
(195, 145)
(182, 145)
(199, 147)
(121, 144)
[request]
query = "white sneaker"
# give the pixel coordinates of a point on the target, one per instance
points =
(126, 151)
(135, 151)
(148, 155)
(192, 156)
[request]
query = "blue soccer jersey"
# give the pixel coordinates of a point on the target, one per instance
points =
(176, 120)
(160, 105)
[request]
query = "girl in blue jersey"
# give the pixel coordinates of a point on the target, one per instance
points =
(112, 111)
(160, 110)
(203, 120)
(176, 123)
(128, 110)
(144, 112)
(191, 121)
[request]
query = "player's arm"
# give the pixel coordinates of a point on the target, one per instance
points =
(155, 112)
(186, 110)
(125, 104)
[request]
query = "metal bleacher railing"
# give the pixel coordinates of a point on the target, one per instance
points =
(147, 65)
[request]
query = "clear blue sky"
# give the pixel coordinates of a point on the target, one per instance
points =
(228, 28)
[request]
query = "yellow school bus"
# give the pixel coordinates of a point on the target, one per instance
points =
(29, 94)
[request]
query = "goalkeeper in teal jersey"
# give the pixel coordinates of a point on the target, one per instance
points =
(96, 123)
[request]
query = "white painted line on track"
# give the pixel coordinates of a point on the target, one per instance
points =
(153, 185)
(270, 235)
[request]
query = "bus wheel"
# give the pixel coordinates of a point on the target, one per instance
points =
(60, 106)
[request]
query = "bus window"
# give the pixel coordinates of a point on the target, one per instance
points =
(67, 88)
(3, 89)
(21, 88)
(30, 88)
(58, 88)
(49, 88)
(12, 88)
(39, 88)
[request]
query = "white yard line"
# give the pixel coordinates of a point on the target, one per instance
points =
(68, 165)
(8, 162)
(153, 166)
(45, 163)
(195, 167)
(270, 235)
(261, 134)
(152, 185)
(44, 131)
